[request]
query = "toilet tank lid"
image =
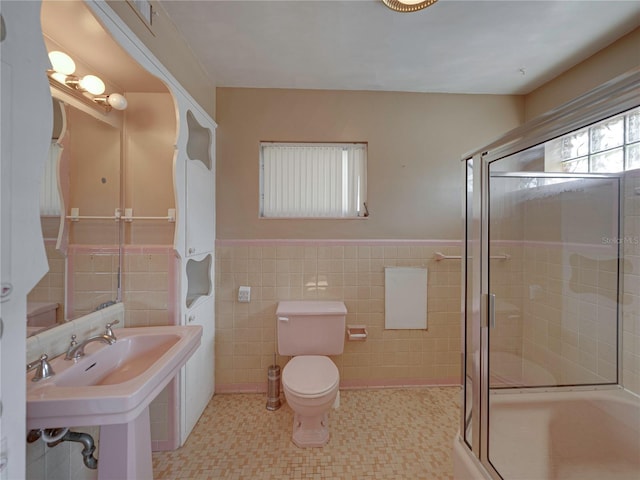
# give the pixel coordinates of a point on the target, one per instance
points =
(313, 307)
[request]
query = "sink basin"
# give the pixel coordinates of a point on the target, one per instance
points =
(129, 357)
(111, 384)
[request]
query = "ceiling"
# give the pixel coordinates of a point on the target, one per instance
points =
(454, 46)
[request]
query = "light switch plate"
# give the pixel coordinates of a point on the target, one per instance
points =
(244, 294)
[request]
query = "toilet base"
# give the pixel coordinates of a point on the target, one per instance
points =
(310, 431)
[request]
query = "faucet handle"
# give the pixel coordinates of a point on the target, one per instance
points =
(72, 344)
(43, 368)
(109, 330)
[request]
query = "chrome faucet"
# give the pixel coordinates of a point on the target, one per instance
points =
(76, 350)
(42, 367)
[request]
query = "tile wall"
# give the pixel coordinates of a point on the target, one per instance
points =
(149, 285)
(350, 271)
(506, 338)
(570, 312)
(92, 277)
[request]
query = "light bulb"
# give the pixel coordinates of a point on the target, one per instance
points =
(62, 63)
(92, 84)
(117, 101)
(59, 77)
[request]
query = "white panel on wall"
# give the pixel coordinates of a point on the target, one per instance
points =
(405, 298)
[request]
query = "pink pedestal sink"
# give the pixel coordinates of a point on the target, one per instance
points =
(112, 386)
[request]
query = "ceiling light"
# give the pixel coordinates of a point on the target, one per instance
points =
(408, 5)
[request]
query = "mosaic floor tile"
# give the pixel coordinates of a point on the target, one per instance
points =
(386, 434)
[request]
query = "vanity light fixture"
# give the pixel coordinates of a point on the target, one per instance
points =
(91, 86)
(408, 5)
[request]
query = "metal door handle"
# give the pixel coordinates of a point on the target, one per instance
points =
(491, 297)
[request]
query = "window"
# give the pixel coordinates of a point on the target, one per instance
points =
(308, 180)
(612, 145)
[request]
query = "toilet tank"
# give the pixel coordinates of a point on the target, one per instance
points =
(311, 327)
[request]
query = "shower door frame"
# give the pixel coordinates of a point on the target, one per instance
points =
(611, 98)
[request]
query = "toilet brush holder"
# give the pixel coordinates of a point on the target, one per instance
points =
(273, 387)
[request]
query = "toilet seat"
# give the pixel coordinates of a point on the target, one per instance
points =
(310, 376)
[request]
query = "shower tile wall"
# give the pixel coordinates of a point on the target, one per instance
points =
(631, 286)
(506, 339)
(569, 331)
(353, 273)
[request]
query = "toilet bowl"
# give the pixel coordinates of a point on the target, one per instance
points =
(310, 331)
(310, 384)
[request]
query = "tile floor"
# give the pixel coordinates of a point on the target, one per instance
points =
(386, 434)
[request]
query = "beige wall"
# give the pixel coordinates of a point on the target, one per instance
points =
(616, 59)
(169, 47)
(415, 142)
(150, 132)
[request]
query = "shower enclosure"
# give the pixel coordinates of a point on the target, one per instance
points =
(548, 247)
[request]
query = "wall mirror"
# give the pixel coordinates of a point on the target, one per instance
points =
(104, 164)
(82, 175)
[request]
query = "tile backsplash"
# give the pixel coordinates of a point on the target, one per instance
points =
(55, 341)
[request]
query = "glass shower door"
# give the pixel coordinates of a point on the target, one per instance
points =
(552, 300)
(470, 368)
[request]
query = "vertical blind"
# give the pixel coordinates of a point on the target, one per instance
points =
(49, 196)
(313, 180)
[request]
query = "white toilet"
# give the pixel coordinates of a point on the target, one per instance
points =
(309, 331)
